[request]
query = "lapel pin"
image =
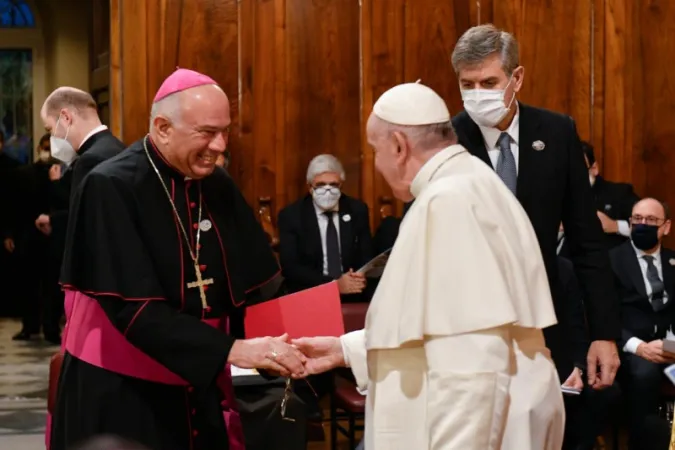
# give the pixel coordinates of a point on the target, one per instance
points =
(205, 225)
(608, 207)
(672, 261)
(538, 145)
(346, 218)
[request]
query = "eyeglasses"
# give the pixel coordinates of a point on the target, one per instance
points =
(649, 220)
(288, 391)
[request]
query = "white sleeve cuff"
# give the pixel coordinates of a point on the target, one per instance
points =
(632, 345)
(356, 356)
(624, 228)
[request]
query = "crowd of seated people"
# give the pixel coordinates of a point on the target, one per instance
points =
(325, 236)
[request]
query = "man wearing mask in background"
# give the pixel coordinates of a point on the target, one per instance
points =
(644, 274)
(39, 301)
(537, 153)
(81, 142)
(325, 236)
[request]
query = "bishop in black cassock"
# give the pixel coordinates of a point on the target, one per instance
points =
(129, 274)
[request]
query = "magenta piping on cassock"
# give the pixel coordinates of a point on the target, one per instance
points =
(90, 337)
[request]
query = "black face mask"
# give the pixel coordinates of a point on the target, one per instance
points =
(644, 236)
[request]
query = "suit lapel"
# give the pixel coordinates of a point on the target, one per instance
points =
(314, 237)
(346, 232)
(476, 143)
(667, 270)
(528, 133)
(634, 270)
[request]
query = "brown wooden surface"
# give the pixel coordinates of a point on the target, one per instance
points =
(302, 76)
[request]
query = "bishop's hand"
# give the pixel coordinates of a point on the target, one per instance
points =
(273, 354)
(323, 353)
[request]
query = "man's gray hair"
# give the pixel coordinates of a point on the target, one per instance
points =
(478, 43)
(426, 137)
(322, 164)
(168, 107)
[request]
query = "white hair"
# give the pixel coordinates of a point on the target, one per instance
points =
(168, 107)
(322, 164)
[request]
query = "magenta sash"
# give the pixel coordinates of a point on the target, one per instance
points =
(91, 337)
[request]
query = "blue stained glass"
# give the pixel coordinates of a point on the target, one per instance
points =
(16, 14)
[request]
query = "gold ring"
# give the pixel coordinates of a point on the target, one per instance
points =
(274, 355)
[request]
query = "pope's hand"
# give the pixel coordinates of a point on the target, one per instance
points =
(268, 353)
(323, 353)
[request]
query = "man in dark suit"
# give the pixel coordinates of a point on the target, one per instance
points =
(613, 201)
(325, 235)
(644, 274)
(79, 140)
(538, 155)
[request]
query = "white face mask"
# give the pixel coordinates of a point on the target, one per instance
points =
(44, 156)
(326, 198)
(487, 107)
(60, 147)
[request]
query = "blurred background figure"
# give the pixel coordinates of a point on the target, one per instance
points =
(110, 443)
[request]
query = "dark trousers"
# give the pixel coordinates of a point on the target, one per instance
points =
(41, 300)
(588, 415)
(641, 384)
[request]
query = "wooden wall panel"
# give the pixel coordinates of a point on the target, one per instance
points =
(323, 84)
(555, 49)
(302, 76)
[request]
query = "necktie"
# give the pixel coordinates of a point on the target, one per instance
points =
(506, 164)
(658, 302)
(332, 248)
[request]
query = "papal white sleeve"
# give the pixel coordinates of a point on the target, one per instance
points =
(356, 357)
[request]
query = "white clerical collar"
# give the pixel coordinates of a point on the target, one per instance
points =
(491, 135)
(98, 129)
(430, 167)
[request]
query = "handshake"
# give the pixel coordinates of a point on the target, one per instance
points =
(296, 358)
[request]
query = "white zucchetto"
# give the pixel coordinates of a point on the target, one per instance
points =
(411, 104)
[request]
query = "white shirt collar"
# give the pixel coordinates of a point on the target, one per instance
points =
(98, 129)
(491, 135)
(640, 253)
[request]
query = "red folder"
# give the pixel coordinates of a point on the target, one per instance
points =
(312, 312)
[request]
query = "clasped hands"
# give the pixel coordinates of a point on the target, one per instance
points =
(295, 358)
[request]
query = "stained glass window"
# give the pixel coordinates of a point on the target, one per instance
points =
(16, 14)
(16, 102)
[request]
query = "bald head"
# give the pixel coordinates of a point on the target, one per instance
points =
(651, 207)
(73, 99)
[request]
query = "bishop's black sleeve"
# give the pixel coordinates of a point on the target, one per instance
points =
(183, 344)
(107, 259)
(588, 253)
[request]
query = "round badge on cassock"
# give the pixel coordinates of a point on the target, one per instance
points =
(205, 225)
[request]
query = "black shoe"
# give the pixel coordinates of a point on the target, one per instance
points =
(54, 339)
(23, 336)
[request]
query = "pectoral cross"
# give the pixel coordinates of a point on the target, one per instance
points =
(200, 283)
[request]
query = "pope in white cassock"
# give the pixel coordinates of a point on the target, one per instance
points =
(452, 355)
